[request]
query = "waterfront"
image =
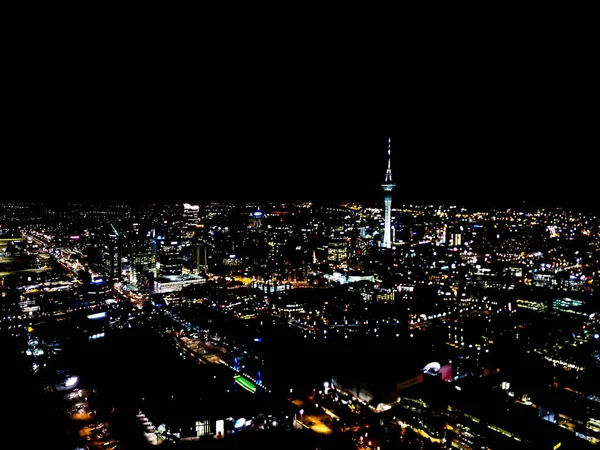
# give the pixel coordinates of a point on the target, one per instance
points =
(134, 369)
(290, 359)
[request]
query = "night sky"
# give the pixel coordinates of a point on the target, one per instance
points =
(492, 127)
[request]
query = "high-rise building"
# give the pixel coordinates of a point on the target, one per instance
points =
(338, 249)
(388, 186)
(454, 235)
(190, 216)
(200, 257)
(111, 256)
(143, 254)
(169, 259)
(189, 227)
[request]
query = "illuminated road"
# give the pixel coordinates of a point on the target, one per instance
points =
(190, 349)
(204, 352)
(19, 271)
(314, 419)
(315, 422)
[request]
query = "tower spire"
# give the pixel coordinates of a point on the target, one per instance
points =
(388, 172)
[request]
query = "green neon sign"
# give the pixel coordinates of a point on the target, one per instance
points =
(245, 383)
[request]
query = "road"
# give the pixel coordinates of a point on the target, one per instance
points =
(312, 417)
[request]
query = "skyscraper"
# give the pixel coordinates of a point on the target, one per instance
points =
(189, 228)
(169, 259)
(388, 186)
(111, 256)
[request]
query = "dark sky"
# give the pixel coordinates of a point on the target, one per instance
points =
(488, 123)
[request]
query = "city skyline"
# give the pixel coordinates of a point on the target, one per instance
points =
(300, 322)
(305, 174)
(474, 133)
(212, 242)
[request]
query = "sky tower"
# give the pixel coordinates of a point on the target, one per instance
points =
(388, 186)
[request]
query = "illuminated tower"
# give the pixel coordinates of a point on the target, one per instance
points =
(111, 256)
(388, 186)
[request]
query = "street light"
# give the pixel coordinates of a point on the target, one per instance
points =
(301, 412)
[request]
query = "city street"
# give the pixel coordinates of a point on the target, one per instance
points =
(312, 417)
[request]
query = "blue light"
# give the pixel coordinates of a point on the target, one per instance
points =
(258, 214)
